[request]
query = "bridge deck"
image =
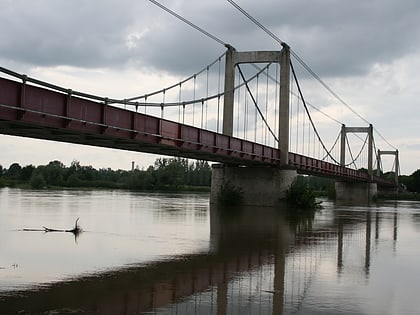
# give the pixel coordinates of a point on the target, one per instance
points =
(37, 112)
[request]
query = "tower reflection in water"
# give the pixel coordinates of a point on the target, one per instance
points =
(272, 263)
(261, 262)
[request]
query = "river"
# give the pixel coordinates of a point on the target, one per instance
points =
(174, 254)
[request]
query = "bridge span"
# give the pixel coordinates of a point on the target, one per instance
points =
(38, 112)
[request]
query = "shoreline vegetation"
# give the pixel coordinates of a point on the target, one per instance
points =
(166, 174)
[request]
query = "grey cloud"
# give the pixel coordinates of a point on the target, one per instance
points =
(335, 38)
(79, 33)
(340, 38)
(177, 54)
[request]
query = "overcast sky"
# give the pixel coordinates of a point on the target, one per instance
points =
(366, 50)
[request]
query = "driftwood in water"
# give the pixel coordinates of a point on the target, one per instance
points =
(76, 230)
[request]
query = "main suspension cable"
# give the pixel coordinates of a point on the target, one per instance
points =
(275, 80)
(194, 76)
(256, 105)
(201, 30)
(332, 148)
(354, 159)
(309, 115)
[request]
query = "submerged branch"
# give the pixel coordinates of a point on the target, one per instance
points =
(76, 230)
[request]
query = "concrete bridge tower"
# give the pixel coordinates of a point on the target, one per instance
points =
(262, 186)
(395, 189)
(356, 192)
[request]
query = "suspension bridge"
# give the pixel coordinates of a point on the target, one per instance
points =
(245, 110)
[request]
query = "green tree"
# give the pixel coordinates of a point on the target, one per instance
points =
(26, 172)
(37, 180)
(140, 180)
(73, 169)
(170, 172)
(406, 180)
(14, 171)
(53, 173)
(87, 173)
(413, 183)
(201, 174)
(74, 181)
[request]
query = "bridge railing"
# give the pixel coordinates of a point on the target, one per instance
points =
(42, 109)
(309, 165)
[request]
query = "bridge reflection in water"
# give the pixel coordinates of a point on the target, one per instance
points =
(261, 262)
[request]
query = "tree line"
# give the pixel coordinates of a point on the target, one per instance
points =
(411, 182)
(165, 174)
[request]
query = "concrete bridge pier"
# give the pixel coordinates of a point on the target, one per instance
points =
(261, 186)
(355, 192)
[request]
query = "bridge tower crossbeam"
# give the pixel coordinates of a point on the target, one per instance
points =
(396, 163)
(369, 131)
(356, 192)
(234, 58)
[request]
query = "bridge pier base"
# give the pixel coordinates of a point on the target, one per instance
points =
(353, 192)
(261, 186)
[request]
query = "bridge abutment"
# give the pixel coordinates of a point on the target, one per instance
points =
(355, 192)
(261, 186)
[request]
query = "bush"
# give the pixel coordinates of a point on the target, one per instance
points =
(229, 195)
(300, 196)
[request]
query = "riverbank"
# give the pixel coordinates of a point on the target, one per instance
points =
(400, 196)
(163, 189)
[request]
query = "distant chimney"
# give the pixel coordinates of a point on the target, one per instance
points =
(132, 165)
